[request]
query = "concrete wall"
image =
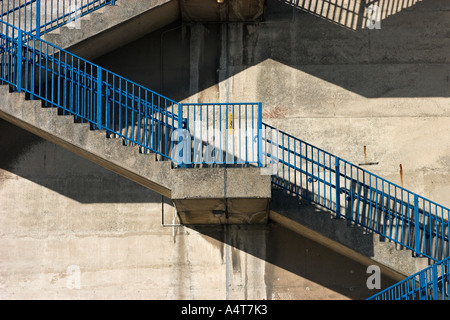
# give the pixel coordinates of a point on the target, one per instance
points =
(339, 87)
(325, 77)
(60, 214)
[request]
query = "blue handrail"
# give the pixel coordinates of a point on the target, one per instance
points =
(14, 8)
(89, 92)
(431, 283)
(145, 118)
(358, 195)
(223, 133)
(128, 110)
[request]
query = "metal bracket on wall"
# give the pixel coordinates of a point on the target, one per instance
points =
(173, 224)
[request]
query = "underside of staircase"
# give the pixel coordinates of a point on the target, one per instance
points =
(343, 236)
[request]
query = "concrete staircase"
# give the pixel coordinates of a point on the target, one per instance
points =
(343, 236)
(209, 195)
(201, 195)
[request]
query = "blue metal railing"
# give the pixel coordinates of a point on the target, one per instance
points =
(223, 133)
(186, 134)
(431, 283)
(364, 198)
(89, 92)
(41, 16)
(209, 134)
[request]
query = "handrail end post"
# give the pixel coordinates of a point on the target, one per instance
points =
(259, 134)
(99, 98)
(180, 135)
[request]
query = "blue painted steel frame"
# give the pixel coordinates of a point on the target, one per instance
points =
(117, 105)
(110, 102)
(369, 200)
(381, 206)
(431, 283)
(231, 131)
(54, 76)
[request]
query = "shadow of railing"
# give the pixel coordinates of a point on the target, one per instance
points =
(363, 198)
(352, 14)
(432, 283)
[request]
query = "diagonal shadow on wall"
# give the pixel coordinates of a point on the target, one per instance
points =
(299, 262)
(35, 159)
(408, 56)
(398, 60)
(301, 257)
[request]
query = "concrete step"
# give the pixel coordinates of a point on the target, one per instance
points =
(190, 189)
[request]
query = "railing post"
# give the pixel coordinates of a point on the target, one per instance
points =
(422, 286)
(434, 275)
(259, 135)
(338, 187)
(19, 61)
(416, 225)
(99, 98)
(107, 111)
(180, 135)
(32, 78)
(38, 19)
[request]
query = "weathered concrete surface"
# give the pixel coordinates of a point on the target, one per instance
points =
(386, 89)
(326, 78)
(235, 195)
(229, 10)
(343, 237)
(204, 188)
(60, 214)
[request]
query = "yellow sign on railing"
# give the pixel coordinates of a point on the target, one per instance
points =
(230, 122)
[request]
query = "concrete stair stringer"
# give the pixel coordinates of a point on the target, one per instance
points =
(342, 236)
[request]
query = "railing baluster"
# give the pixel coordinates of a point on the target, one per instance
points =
(337, 187)
(19, 61)
(416, 226)
(259, 132)
(99, 98)
(180, 135)
(38, 18)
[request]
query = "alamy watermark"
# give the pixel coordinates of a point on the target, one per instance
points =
(373, 17)
(228, 147)
(73, 280)
(374, 280)
(74, 14)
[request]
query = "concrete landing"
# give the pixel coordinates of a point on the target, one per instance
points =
(201, 196)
